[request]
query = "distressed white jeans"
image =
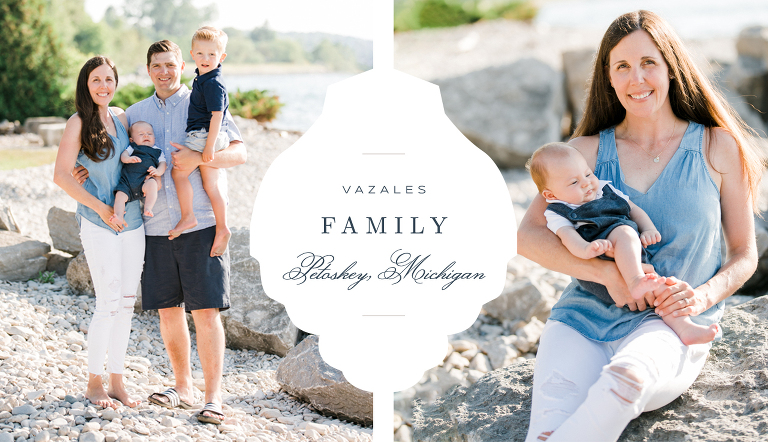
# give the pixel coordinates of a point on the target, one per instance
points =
(589, 390)
(115, 263)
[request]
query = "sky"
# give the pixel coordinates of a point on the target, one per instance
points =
(344, 17)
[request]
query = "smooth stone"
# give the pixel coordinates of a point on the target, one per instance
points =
(23, 409)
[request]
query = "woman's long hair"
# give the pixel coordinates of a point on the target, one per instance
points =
(94, 139)
(690, 93)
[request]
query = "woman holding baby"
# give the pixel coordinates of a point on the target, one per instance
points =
(656, 128)
(94, 138)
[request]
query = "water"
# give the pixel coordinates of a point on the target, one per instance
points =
(692, 19)
(303, 94)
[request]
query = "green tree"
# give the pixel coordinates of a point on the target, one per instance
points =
(33, 66)
(263, 33)
(175, 20)
(281, 51)
(335, 56)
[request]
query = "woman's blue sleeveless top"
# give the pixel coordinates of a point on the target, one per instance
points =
(102, 179)
(684, 204)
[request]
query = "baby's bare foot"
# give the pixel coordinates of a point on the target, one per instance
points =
(149, 213)
(641, 285)
(692, 333)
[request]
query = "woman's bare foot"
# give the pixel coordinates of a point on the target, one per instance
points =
(96, 394)
(641, 285)
(691, 333)
(183, 224)
(220, 241)
(122, 395)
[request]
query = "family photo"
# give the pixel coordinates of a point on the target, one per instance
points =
(134, 139)
(632, 138)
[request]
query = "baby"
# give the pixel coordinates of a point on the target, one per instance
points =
(140, 159)
(594, 219)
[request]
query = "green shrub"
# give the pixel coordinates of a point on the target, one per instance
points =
(418, 14)
(255, 104)
(128, 94)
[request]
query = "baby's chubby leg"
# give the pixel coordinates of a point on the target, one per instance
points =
(119, 208)
(626, 251)
(210, 176)
(150, 196)
(688, 331)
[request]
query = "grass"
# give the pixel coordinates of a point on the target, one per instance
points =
(29, 157)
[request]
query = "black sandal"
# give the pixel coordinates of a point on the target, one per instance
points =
(214, 409)
(174, 400)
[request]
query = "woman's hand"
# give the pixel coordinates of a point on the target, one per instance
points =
(106, 213)
(678, 298)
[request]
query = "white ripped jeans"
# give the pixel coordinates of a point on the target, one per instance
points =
(115, 263)
(588, 390)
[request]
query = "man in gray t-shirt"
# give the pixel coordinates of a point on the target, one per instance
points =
(181, 274)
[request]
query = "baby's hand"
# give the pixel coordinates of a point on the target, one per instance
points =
(133, 159)
(207, 155)
(597, 248)
(650, 237)
(152, 171)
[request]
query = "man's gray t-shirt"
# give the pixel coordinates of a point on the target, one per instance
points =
(169, 123)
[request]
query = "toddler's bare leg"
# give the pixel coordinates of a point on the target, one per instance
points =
(689, 332)
(626, 252)
(185, 192)
(150, 196)
(119, 208)
(210, 177)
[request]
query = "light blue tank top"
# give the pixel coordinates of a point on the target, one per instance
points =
(684, 204)
(102, 178)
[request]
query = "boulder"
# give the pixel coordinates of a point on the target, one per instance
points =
(7, 221)
(21, 258)
(65, 233)
(255, 321)
(79, 276)
(51, 133)
(507, 111)
(304, 374)
(522, 299)
(577, 67)
(726, 402)
(32, 124)
(58, 262)
(746, 82)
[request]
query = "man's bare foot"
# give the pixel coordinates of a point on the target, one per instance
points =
(98, 396)
(149, 213)
(184, 224)
(641, 285)
(691, 333)
(220, 241)
(121, 395)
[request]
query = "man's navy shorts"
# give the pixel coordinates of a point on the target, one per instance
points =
(181, 273)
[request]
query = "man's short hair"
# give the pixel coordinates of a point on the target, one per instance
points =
(161, 46)
(209, 33)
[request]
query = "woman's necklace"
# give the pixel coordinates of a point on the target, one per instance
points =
(656, 158)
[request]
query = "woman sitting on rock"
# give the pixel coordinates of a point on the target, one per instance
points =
(655, 127)
(95, 137)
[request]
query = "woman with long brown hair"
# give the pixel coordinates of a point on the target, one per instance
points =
(94, 138)
(656, 128)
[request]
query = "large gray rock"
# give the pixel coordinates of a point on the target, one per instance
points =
(727, 401)
(21, 258)
(304, 374)
(255, 321)
(7, 221)
(79, 276)
(51, 133)
(746, 82)
(65, 233)
(577, 67)
(32, 124)
(507, 111)
(523, 299)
